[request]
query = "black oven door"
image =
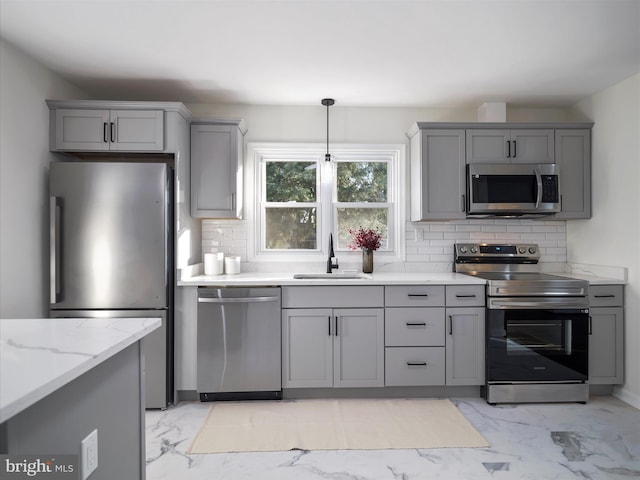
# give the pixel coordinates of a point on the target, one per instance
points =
(531, 345)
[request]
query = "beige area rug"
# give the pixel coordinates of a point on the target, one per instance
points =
(329, 424)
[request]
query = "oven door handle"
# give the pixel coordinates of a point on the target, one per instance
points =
(531, 304)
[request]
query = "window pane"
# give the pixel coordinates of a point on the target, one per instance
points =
(291, 181)
(362, 181)
(290, 228)
(353, 218)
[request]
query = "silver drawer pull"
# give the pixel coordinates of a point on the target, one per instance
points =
(417, 295)
(465, 296)
(416, 324)
(605, 296)
(416, 364)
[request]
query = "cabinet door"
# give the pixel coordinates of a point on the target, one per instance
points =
(573, 157)
(358, 359)
(531, 146)
(307, 347)
(81, 130)
(438, 175)
(136, 130)
(488, 146)
(216, 175)
(606, 344)
(465, 346)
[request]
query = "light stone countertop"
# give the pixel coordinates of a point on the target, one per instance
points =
(286, 279)
(38, 356)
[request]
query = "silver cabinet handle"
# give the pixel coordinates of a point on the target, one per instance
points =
(238, 300)
(416, 364)
(464, 204)
(55, 212)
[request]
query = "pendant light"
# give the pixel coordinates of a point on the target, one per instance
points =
(327, 102)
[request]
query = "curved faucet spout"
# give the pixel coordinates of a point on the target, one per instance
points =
(332, 261)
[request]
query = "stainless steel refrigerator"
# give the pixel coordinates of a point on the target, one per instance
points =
(111, 253)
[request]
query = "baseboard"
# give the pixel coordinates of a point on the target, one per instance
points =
(626, 396)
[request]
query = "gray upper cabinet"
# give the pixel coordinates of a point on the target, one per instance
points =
(88, 130)
(573, 157)
(510, 146)
(216, 168)
(438, 174)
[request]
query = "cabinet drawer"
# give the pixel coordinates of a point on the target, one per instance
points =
(332, 296)
(414, 296)
(465, 295)
(406, 366)
(605, 296)
(414, 327)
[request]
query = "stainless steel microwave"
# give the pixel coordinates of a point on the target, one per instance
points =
(512, 189)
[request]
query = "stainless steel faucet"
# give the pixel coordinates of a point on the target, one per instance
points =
(332, 262)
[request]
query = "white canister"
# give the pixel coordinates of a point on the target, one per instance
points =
(232, 265)
(213, 263)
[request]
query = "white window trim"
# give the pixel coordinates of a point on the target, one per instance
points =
(257, 151)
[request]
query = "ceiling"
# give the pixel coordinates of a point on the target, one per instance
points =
(421, 53)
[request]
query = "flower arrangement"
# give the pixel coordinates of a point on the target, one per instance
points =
(365, 238)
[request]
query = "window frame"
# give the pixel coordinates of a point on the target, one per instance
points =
(255, 168)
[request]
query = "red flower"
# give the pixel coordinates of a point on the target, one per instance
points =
(365, 238)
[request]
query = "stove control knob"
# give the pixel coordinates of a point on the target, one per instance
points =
(532, 250)
(473, 250)
(463, 249)
(522, 250)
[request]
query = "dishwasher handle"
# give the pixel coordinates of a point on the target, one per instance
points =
(238, 300)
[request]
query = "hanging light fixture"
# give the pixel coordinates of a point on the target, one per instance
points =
(327, 102)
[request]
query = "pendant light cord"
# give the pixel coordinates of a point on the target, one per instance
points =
(327, 102)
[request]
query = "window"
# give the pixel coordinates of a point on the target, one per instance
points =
(300, 198)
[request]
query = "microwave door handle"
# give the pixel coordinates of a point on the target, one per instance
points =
(539, 183)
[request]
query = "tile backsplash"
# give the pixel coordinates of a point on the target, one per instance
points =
(428, 245)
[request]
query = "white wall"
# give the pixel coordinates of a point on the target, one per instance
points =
(612, 236)
(24, 160)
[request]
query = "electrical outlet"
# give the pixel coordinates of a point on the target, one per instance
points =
(89, 456)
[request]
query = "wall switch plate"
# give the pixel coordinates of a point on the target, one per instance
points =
(89, 455)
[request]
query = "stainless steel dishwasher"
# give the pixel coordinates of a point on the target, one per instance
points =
(239, 343)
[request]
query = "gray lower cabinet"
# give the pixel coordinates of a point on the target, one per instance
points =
(216, 168)
(324, 347)
(332, 336)
(573, 158)
(434, 335)
(97, 130)
(606, 335)
(465, 346)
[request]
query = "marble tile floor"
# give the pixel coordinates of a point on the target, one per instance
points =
(599, 440)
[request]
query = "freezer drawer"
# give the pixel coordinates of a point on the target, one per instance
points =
(239, 343)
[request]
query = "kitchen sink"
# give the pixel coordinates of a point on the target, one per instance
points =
(330, 276)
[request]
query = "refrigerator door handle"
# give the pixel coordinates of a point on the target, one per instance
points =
(55, 212)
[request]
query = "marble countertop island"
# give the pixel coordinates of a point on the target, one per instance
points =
(39, 356)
